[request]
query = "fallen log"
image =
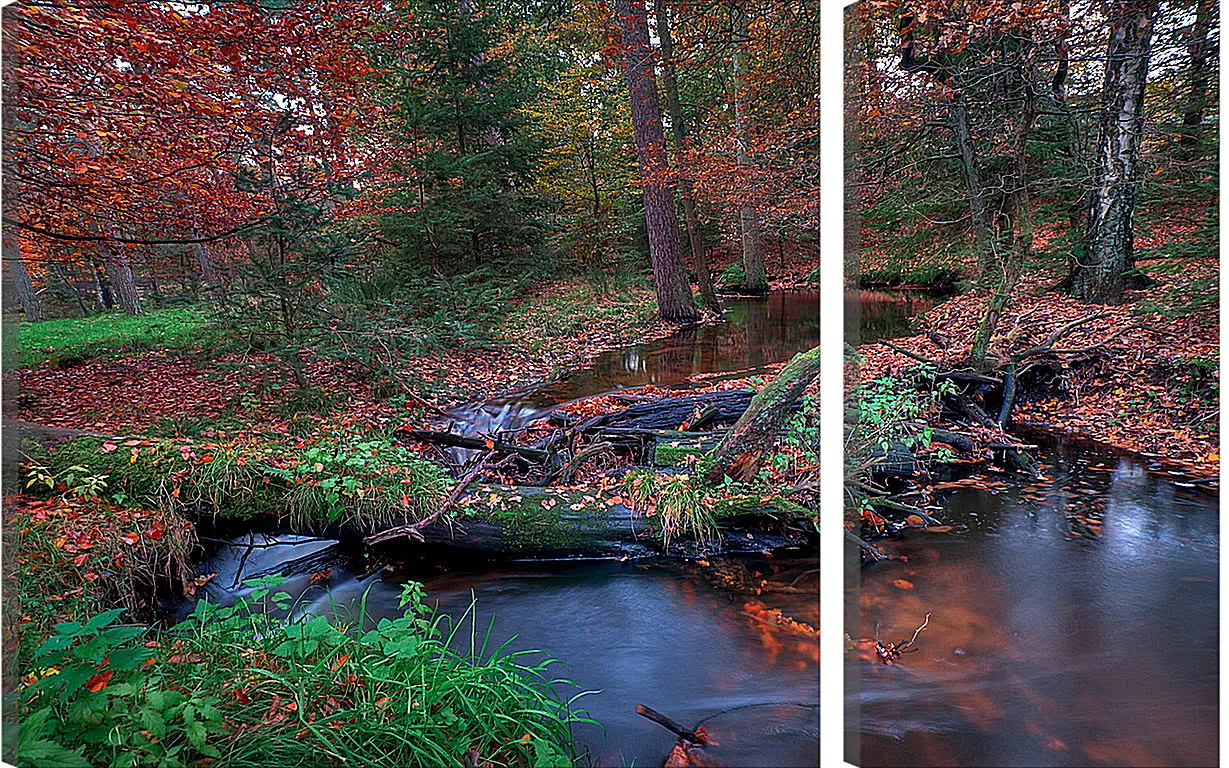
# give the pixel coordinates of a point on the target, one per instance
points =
(453, 440)
(534, 521)
(672, 412)
(755, 434)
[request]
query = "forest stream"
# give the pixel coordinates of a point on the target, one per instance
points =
(1073, 622)
(665, 633)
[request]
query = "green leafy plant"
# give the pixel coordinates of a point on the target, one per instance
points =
(237, 684)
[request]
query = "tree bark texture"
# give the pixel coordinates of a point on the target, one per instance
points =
(665, 249)
(699, 256)
(119, 275)
(1100, 275)
(22, 284)
(756, 432)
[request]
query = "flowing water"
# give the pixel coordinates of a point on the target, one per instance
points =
(1073, 622)
(655, 632)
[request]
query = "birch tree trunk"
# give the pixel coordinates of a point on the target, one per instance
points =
(665, 249)
(1100, 275)
(748, 219)
(669, 77)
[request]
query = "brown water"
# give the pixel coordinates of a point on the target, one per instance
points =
(1073, 622)
(662, 633)
(872, 315)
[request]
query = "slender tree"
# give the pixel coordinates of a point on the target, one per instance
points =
(678, 125)
(748, 218)
(665, 249)
(1100, 274)
(1201, 47)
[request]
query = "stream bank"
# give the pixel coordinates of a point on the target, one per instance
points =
(667, 633)
(738, 654)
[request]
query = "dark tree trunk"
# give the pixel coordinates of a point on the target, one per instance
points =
(1100, 276)
(756, 280)
(973, 183)
(1017, 231)
(74, 286)
(1200, 48)
(665, 249)
(699, 256)
(756, 432)
(1062, 50)
(119, 275)
(22, 284)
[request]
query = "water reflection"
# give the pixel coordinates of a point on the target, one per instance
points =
(1074, 622)
(874, 315)
(753, 333)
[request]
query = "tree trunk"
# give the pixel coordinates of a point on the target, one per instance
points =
(748, 219)
(119, 275)
(209, 271)
(1017, 226)
(22, 284)
(103, 287)
(1101, 276)
(1199, 48)
(756, 432)
(669, 78)
(973, 183)
(665, 250)
(1062, 50)
(73, 285)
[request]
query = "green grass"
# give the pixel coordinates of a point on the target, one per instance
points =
(110, 333)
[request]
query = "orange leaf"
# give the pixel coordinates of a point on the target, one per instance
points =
(98, 682)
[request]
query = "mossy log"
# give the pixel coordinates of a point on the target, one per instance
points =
(755, 434)
(531, 521)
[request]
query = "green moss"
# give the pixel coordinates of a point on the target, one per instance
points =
(666, 455)
(537, 520)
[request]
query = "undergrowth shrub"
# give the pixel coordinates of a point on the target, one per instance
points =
(681, 507)
(239, 686)
(360, 482)
(74, 555)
